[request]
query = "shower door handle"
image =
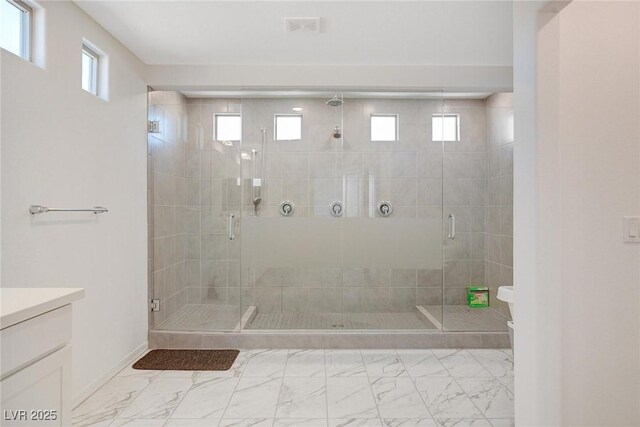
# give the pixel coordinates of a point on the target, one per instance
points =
(232, 226)
(452, 226)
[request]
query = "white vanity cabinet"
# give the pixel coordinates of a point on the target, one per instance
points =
(35, 349)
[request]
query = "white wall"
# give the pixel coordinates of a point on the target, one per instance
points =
(577, 103)
(537, 358)
(62, 146)
(599, 138)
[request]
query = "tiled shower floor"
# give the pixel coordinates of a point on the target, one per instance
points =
(337, 321)
(207, 318)
(309, 388)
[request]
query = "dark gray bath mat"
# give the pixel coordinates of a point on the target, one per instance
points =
(187, 360)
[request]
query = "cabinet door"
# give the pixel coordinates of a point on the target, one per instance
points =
(39, 394)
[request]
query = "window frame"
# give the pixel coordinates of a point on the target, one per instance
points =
(397, 127)
(215, 125)
(95, 67)
(26, 28)
(442, 116)
(275, 126)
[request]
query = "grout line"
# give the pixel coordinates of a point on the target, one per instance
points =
(463, 391)
(454, 379)
(375, 402)
(413, 381)
(151, 380)
(494, 376)
(193, 379)
(232, 393)
(326, 385)
(286, 360)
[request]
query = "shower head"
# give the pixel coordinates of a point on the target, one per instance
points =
(335, 101)
(337, 132)
(256, 204)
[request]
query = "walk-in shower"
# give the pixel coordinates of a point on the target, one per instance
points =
(344, 211)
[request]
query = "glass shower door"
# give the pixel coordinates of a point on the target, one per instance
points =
(291, 244)
(212, 212)
(319, 252)
(475, 194)
(194, 187)
(392, 229)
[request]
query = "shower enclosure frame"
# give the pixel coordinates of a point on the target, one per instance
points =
(322, 338)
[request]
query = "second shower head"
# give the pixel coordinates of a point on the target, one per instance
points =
(335, 101)
(337, 132)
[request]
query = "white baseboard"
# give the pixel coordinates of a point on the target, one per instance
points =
(102, 380)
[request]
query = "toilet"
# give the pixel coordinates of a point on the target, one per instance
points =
(505, 293)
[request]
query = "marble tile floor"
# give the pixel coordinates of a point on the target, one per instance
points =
(328, 388)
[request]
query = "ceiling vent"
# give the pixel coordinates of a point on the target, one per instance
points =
(302, 25)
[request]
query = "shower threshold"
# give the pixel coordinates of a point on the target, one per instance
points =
(203, 317)
(208, 317)
(200, 326)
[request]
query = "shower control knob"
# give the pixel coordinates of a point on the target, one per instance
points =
(336, 208)
(286, 208)
(385, 208)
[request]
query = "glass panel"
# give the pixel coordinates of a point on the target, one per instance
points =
(393, 264)
(196, 188)
(477, 178)
(292, 273)
(88, 72)
(11, 28)
(349, 268)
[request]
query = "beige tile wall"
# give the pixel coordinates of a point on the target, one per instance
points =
(319, 169)
(167, 162)
(499, 210)
(409, 173)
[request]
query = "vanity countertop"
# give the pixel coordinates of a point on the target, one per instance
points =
(20, 304)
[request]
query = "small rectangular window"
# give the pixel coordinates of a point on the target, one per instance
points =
(445, 127)
(288, 127)
(15, 27)
(90, 61)
(227, 127)
(384, 127)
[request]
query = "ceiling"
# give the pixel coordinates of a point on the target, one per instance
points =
(352, 32)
